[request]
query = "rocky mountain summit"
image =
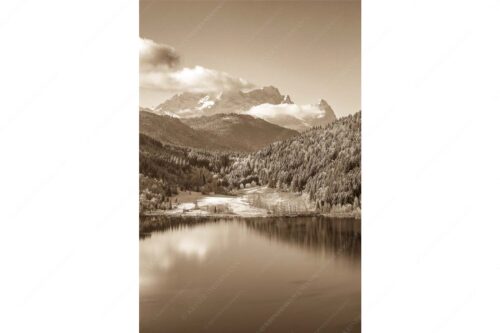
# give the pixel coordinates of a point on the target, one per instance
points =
(266, 103)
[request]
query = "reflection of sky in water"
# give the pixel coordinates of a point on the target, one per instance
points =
(263, 263)
(162, 251)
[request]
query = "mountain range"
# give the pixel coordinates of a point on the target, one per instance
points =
(266, 103)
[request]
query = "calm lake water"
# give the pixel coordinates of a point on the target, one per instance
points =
(259, 275)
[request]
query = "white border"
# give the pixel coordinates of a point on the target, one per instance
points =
(430, 166)
(69, 166)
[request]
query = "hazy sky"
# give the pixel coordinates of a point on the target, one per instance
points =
(309, 50)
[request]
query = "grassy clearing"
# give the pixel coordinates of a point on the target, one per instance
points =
(187, 196)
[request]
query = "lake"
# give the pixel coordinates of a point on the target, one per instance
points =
(252, 275)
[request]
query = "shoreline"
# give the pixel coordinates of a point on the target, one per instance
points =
(255, 202)
(149, 223)
(162, 213)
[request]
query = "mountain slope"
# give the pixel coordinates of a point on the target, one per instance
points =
(164, 168)
(172, 131)
(240, 132)
(323, 162)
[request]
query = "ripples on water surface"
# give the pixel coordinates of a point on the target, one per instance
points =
(258, 275)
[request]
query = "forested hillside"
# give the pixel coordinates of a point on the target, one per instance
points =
(165, 168)
(323, 162)
(172, 131)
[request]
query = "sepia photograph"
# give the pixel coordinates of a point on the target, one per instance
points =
(234, 166)
(250, 166)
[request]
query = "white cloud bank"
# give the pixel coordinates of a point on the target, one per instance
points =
(302, 112)
(158, 70)
(297, 117)
(196, 80)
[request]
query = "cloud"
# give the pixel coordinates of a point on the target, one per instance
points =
(158, 70)
(197, 79)
(154, 56)
(302, 112)
(297, 117)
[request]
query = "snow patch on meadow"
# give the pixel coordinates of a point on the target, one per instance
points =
(237, 205)
(251, 202)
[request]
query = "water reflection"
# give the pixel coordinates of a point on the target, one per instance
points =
(234, 275)
(317, 233)
(154, 224)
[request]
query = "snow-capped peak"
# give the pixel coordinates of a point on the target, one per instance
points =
(266, 103)
(205, 103)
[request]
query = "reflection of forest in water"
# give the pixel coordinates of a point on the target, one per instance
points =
(319, 234)
(149, 224)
